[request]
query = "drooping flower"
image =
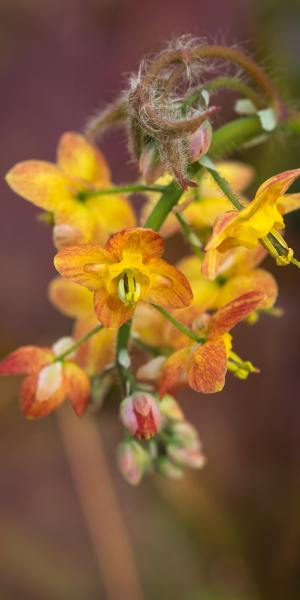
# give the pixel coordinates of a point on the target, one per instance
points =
(48, 381)
(140, 414)
(68, 191)
(128, 269)
(259, 222)
(201, 365)
(97, 353)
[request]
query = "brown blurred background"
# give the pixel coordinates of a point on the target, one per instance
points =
(232, 531)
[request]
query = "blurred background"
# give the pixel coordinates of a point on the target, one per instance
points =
(231, 531)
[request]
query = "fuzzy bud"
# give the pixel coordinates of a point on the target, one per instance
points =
(140, 414)
(132, 461)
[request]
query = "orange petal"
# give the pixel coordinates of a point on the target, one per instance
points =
(81, 160)
(99, 351)
(258, 280)
(33, 408)
(25, 360)
(234, 312)
(136, 240)
(110, 311)
(77, 387)
(208, 366)
(70, 298)
(72, 262)
(168, 286)
(43, 184)
(275, 187)
(174, 371)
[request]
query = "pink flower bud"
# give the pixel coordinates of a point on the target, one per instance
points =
(150, 164)
(133, 460)
(140, 414)
(199, 142)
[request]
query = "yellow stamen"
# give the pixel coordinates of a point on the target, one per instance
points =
(129, 290)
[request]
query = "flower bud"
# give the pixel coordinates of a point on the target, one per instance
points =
(170, 408)
(150, 164)
(199, 142)
(185, 435)
(133, 460)
(167, 467)
(140, 414)
(186, 457)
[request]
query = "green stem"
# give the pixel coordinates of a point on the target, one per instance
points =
(123, 359)
(225, 187)
(123, 189)
(185, 330)
(229, 83)
(79, 343)
(164, 206)
(190, 235)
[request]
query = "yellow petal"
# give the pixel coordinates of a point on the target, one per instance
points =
(43, 184)
(238, 175)
(204, 291)
(258, 280)
(81, 160)
(70, 298)
(288, 203)
(110, 213)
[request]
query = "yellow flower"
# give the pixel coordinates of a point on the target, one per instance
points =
(207, 202)
(260, 218)
(62, 189)
(128, 269)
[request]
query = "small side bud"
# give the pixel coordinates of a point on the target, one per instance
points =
(150, 164)
(168, 468)
(140, 414)
(170, 409)
(186, 457)
(133, 461)
(200, 141)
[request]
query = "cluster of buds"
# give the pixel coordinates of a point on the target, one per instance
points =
(171, 444)
(113, 281)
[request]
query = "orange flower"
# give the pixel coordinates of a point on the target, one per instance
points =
(202, 366)
(75, 301)
(63, 189)
(128, 269)
(48, 380)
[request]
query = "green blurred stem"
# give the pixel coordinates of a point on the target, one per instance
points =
(123, 189)
(123, 359)
(79, 343)
(190, 235)
(185, 330)
(225, 187)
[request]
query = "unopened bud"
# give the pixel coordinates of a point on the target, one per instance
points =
(186, 457)
(140, 414)
(150, 164)
(199, 142)
(133, 460)
(167, 467)
(170, 408)
(185, 435)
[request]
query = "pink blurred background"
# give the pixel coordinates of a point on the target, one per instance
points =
(231, 531)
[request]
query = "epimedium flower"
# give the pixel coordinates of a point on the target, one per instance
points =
(48, 381)
(127, 270)
(140, 414)
(68, 189)
(202, 365)
(259, 222)
(98, 353)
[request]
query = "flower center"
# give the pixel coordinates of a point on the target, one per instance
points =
(129, 289)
